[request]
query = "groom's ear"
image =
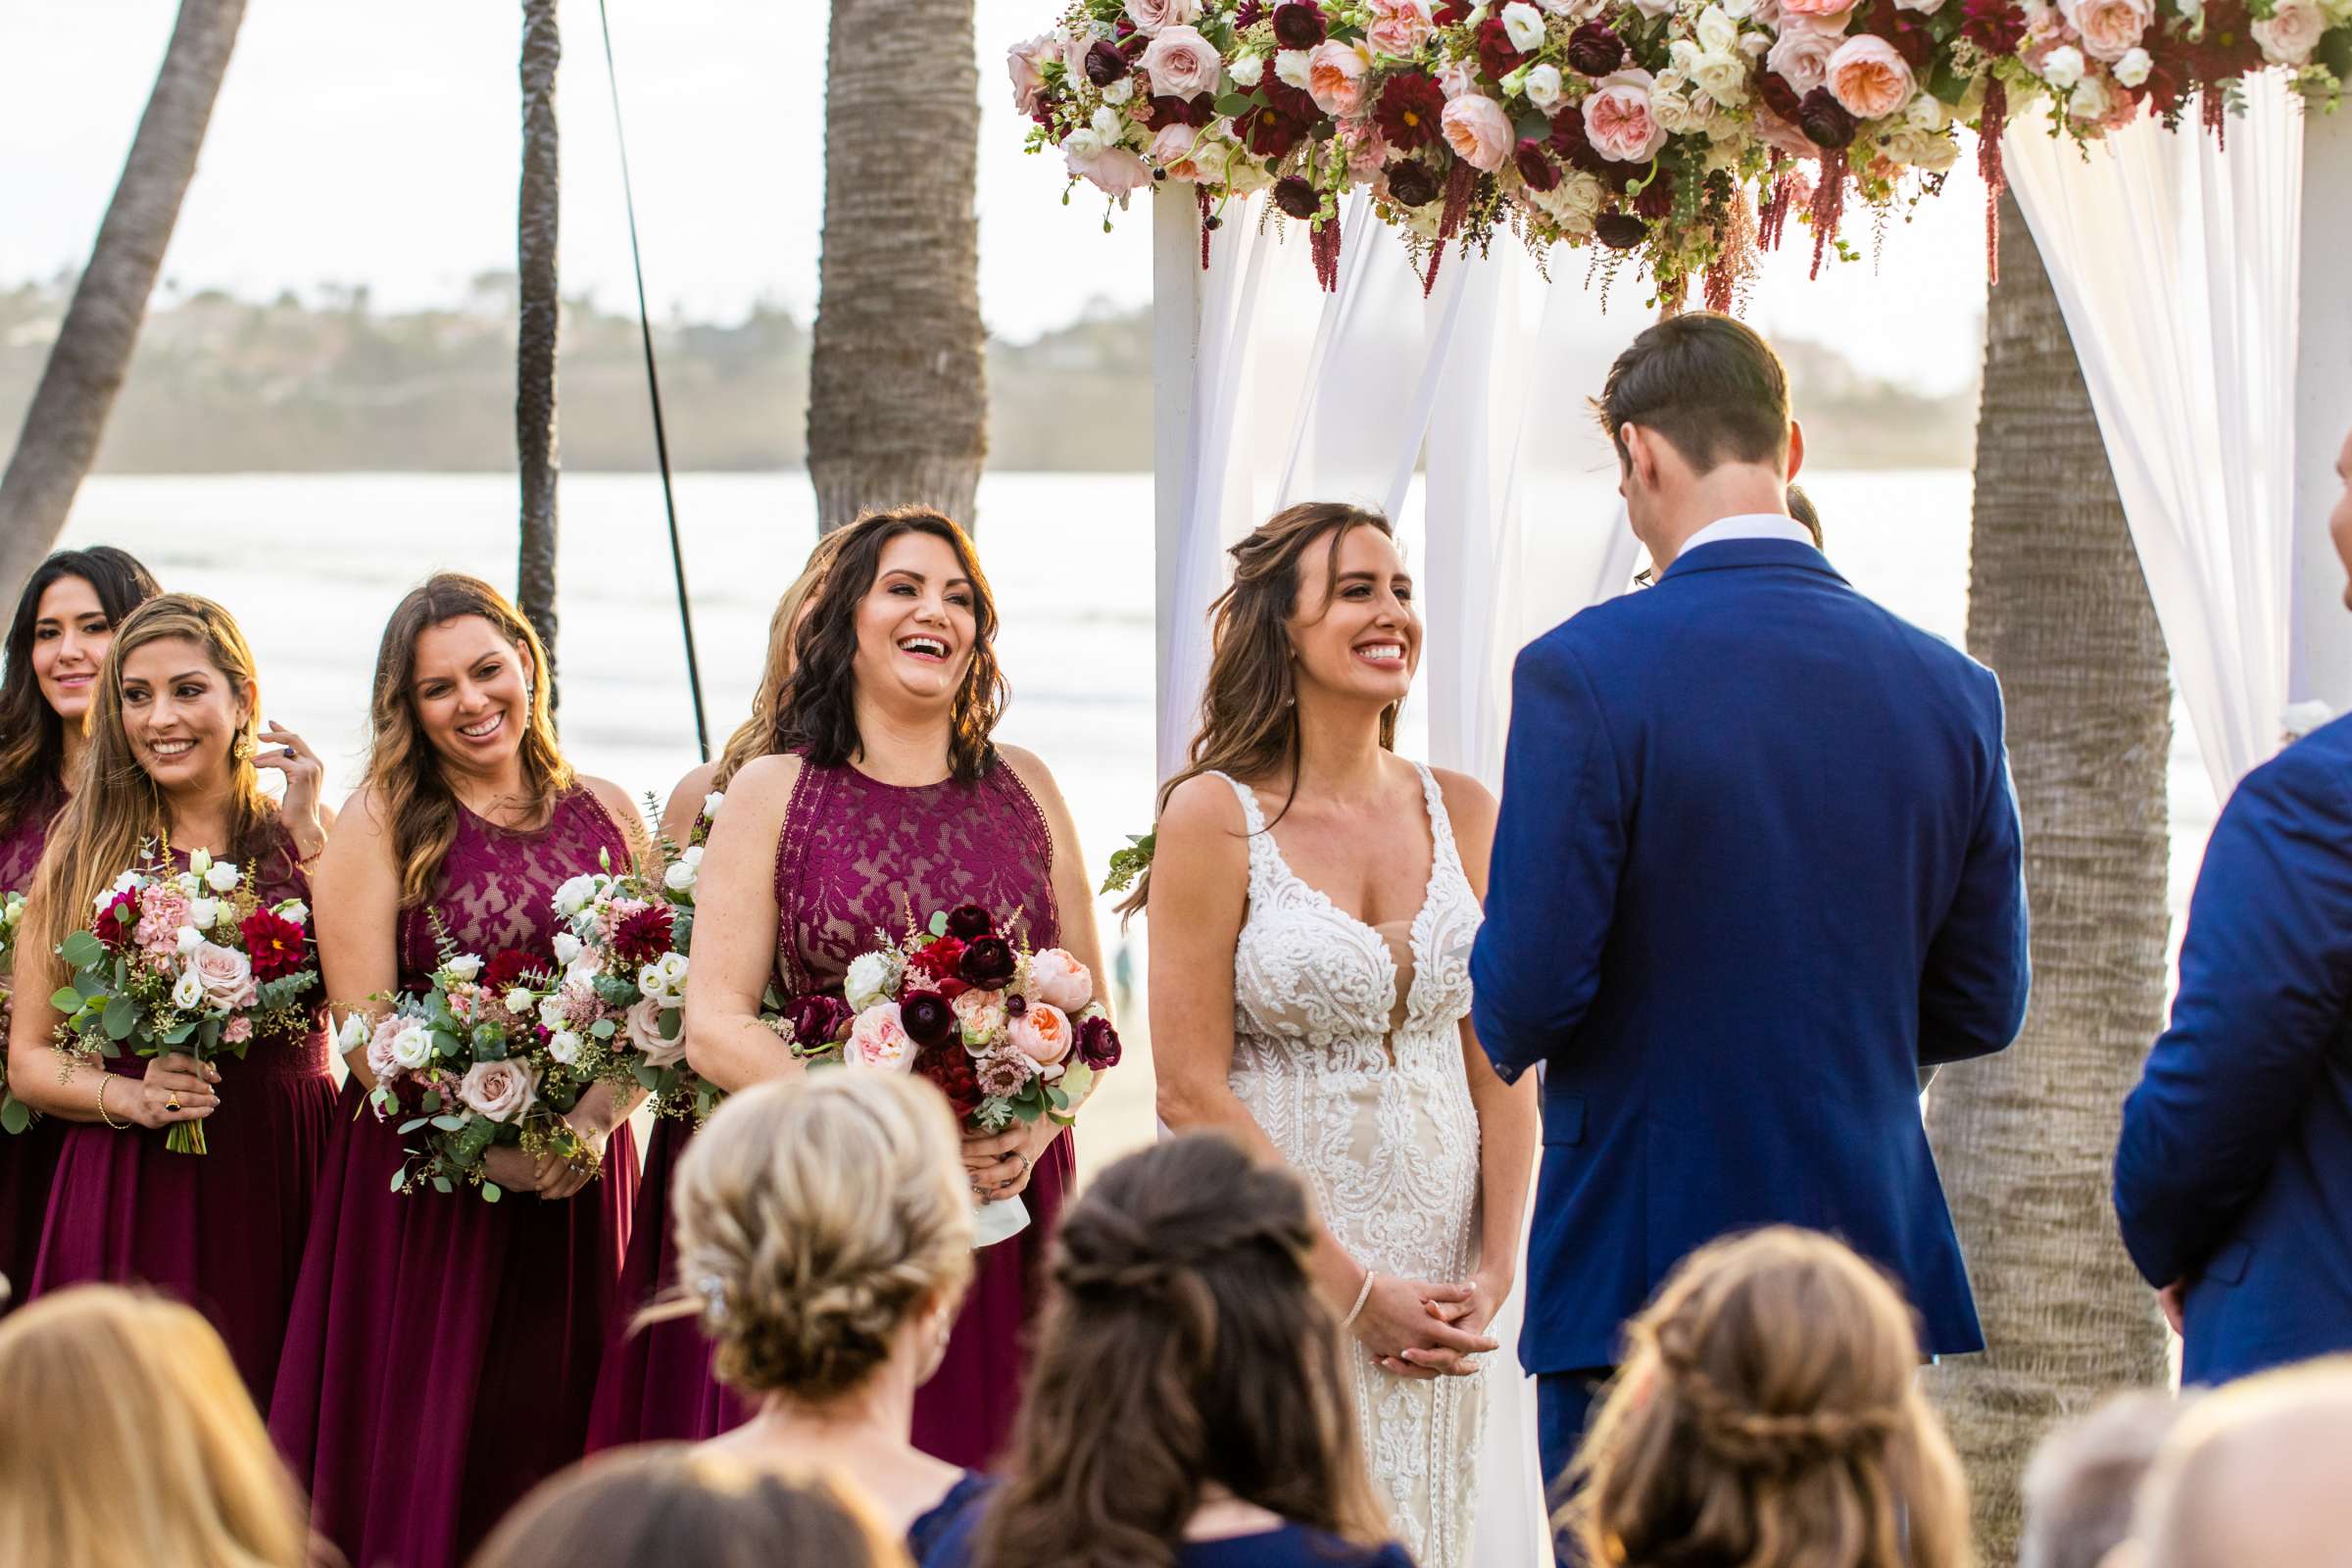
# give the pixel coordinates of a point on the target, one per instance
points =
(1641, 446)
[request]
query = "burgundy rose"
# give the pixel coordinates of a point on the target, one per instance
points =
(927, 1019)
(505, 970)
(117, 921)
(1595, 49)
(1539, 172)
(1413, 183)
(1779, 97)
(1824, 120)
(938, 959)
(1296, 197)
(1105, 64)
(643, 935)
(1496, 51)
(1994, 26)
(988, 963)
(969, 921)
(1098, 1044)
(1411, 111)
(816, 1019)
(1620, 232)
(1299, 26)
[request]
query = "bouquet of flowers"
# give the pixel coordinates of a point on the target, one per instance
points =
(14, 1114)
(187, 962)
(1685, 130)
(1007, 1034)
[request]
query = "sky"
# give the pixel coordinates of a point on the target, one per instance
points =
(360, 143)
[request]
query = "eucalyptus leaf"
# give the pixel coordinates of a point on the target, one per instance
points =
(179, 1032)
(411, 1125)
(81, 949)
(1233, 105)
(491, 1193)
(441, 1184)
(15, 1115)
(66, 1000)
(120, 1017)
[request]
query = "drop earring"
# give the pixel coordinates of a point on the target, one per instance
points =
(243, 750)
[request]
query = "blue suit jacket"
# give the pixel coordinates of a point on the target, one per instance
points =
(1758, 861)
(2236, 1164)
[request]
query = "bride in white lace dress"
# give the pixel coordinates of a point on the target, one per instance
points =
(1314, 900)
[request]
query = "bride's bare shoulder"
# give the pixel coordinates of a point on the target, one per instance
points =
(1201, 811)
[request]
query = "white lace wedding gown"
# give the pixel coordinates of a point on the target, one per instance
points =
(1363, 1091)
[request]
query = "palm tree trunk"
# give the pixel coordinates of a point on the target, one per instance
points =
(59, 441)
(897, 399)
(538, 211)
(2024, 1139)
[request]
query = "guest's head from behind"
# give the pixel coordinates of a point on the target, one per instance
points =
(684, 1509)
(1697, 410)
(1185, 1361)
(904, 632)
(458, 694)
(1320, 613)
(2253, 1477)
(757, 735)
(65, 621)
(127, 1439)
(2079, 1488)
(1769, 1416)
(824, 1230)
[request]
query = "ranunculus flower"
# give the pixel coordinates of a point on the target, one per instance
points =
(1412, 183)
(928, 1019)
(938, 959)
(1400, 28)
(1825, 120)
(642, 1024)
(1618, 121)
(1297, 197)
(1478, 132)
(988, 963)
(1042, 1034)
(227, 976)
(1105, 64)
(1410, 112)
(1181, 62)
(1595, 49)
(1150, 15)
(1299, 25)
(1620, 232)
(1538, 171)
(815, 1021)
(1098, 1044)
(1022, 62)
(1869, 77)
(981, 1015)
(275, 944)
(1113, 170)
(879, 1040)
(1334, 77)
(499, 1090)
(1060, 980)
(2290, 33)
(969, 921)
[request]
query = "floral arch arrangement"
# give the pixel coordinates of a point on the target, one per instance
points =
(1686, 131)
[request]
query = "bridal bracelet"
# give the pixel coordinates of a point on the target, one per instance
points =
(1361, 1296)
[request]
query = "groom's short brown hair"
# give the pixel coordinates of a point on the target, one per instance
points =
(1707, 383)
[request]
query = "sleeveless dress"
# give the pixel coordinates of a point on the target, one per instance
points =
(856, 856)
(1349, 1056)
(221, 1231)
(443, 1349)
(28, 1160)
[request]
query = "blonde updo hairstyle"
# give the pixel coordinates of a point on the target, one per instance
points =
(1770, 1415)
(815, 1217)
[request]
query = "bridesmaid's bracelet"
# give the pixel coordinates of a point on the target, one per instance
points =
(119, 1126)
(1361, 1296)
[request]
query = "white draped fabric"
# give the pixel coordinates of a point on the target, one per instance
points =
(2177, 266)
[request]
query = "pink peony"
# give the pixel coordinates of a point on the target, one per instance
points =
(643, 1026)
(499, 1090)
(1869, 77)
(2290, 33)
(879, 1040)
(1182, 63)
(227, 976)
(1334, 77)
(1042, 1034)
(1478, 132)
(1022, 61)
(1619, 122)
(1400, 28)
(1112, 170)
(2113, 28)
(1152, 16)
(1059, 980)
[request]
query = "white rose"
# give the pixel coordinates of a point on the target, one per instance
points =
(1927, 112)
(552, 1014)
(1524, 25)
(201, 913)
(564, 1047)
(1543, 86)
(187, 991)
(1246, 69)
(1291, 67)
(2088, 100)
(713, 802)
(2133, 69)
(464, 967)
(867, 982)
(1721, 76)
(1937, 154)
(190, 939)
(568, 947)
(294, 909)
(412, 1046)
(519, 1002)
(222, 878)
(2063, 67)
(574, 895)
(681, 875)
(1718, 34)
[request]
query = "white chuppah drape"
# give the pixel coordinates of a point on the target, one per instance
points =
(2177, 266)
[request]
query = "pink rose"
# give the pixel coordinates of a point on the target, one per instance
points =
(1024, 62)
(643, 1026)
(1114, 169)
(1400, 28)
(1334, 77)
(1152, 16)
(1182, 63)
(499, 1090)
(1479, 131)
(1619, 122)
(1042, 1034)
(1818, 10)
(238, 1031)
(1869, 77)
(380, 1065)
(879, 1040)
(980, 1013)
(1059, 980)
(2113, 28)
(227, 976)
(1801, 54)
(2290, 33)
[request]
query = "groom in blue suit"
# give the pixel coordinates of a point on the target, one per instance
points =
(1758, 869)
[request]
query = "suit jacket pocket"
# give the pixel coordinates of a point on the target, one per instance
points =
(1564, 1119)
(2228, 1264)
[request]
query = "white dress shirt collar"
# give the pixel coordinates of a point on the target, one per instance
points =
(1748, 526)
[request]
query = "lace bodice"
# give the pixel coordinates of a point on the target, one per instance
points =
(497, 885)
(1356, 1071)
(856, 856)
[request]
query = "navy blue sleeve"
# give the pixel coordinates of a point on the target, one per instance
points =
(1972, 993)
(1559, 845)
(2266, 987)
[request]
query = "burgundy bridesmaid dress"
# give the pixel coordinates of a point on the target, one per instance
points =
(28, 1160)
(856, 856)
(442, 1350)
(222, 1231)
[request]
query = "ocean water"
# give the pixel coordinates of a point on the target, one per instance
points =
(312, 564)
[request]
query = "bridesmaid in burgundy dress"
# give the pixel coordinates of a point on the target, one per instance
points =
(442, 1347)
(892, 799)
(65, 619)
(656, 1385)
(175, 728)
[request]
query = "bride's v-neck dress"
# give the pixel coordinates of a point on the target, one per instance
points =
(1351, 1061)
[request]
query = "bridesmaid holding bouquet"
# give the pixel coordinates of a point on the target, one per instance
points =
(443, 1349)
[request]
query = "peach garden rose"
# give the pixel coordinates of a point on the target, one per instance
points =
(1869, 77)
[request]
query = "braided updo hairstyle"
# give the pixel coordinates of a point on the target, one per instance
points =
(1183, 1344)
(815, 1217)
(1769, 1416)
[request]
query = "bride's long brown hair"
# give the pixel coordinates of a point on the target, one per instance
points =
(1249, 711)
